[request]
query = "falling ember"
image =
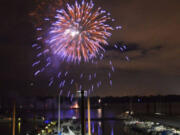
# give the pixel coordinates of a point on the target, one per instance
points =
(80, 32)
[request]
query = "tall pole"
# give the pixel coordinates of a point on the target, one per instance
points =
(14, 118)
(59, 115)
(89, 117)
(82, 114)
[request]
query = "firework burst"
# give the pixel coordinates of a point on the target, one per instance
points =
(79, 32)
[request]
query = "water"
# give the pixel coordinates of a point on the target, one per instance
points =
(110, 127)
(99, 126)
(21, 127)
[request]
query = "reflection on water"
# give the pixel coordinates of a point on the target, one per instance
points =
(92, 128)
(112, 131)
(100, 127)
(19, 127)
(99, 113)
(97, 127)
(95, 113)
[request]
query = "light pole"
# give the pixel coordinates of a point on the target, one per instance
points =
(59, 114)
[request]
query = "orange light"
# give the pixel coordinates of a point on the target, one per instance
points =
(75, 106)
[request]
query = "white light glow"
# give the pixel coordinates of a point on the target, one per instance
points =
(72, 32)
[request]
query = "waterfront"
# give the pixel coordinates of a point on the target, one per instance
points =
(107, 118)
(108, 124)
(21, 127)
(107, 127)
(99, 126)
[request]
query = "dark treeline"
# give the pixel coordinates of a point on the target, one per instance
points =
(138, 99)
(25, 105)
(95, 99)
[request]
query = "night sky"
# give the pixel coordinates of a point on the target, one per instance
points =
(151, 30)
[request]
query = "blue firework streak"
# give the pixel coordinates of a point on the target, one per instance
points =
(73, 48)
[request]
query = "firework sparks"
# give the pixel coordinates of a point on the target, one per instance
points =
(79, 32)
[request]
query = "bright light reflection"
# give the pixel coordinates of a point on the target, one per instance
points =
(99, 113)
(19, 127)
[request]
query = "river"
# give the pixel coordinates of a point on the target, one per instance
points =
(99, 127)
(110, 127)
